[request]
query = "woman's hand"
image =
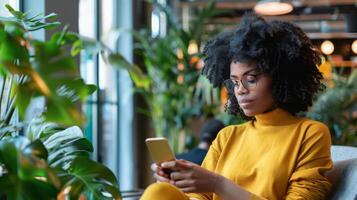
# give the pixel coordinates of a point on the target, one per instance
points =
(159, 174)
(190, 177)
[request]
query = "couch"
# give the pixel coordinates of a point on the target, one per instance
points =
(343, 176)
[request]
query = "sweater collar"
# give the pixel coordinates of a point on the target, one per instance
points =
(277, 116)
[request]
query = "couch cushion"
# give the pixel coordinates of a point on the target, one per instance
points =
(344, 180)
(339, 153)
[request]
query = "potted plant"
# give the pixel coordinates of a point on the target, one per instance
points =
(337, 107)
(48, 158)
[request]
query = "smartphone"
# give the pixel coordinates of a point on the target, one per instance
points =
(159, 149)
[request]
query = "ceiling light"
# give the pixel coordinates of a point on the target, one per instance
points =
(272, 7)
(327, 47)
(354, 46)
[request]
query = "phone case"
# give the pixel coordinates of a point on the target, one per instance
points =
(159, 149)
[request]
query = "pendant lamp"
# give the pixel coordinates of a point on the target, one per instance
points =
(273, 7)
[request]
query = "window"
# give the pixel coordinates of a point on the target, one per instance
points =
(89, 70)
(109, 114)
(108, 90)
(3, 11)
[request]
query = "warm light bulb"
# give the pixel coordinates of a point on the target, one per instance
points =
(192, 47)
(272, 7)
(180, 66)
(180, 79)
(354, 46)
(179, 54)
(327, 47)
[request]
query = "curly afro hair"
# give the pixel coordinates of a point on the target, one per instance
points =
(280, 49)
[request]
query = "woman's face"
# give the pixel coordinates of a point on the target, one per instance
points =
(252, 89)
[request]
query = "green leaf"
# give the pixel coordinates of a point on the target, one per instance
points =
(62, 110)
(2, 34)
(203, 15)
(12, 51)
(7, 130)
(24, 94)
(64, 152)
(44, 51)
(77, 88)
(59, 67)
(9, 187)
(44, 26)
(30, 23)
(81, 144)
(8, 156)
(352, 79)
(59, 137)
(136, 74)
(37, 149)
(64, 159)
(34, 18)
(15, 13)
(95, 177)
(39, 129)
(40, 17)
(90, 46)
(36, 189)
(27, 176)
(15, 30)
(76, 48)
(58, 80)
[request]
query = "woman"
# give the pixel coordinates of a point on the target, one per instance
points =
(270, 71)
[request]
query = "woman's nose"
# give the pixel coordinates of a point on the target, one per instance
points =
(240, 89)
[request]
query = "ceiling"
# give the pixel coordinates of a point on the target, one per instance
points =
(319, 18)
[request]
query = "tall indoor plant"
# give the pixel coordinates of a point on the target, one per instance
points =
(171, 83)
(48, 158)
(337, 107)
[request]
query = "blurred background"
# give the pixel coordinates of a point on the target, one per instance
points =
(163, 40)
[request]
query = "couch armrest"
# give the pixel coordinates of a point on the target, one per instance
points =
(343, 177)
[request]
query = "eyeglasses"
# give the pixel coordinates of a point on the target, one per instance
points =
(249, 82)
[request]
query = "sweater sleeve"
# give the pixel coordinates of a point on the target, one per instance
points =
(211, 160)
(308, 181)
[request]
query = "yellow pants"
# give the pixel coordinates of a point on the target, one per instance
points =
(163, 191)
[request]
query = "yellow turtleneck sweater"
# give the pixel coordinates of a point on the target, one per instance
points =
(277, 156)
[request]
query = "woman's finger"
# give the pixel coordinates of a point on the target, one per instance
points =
(177, 165)
(161, 178)
(157, 169)
(154, 167)
(188, 189)
(183, 183)
(179, 175)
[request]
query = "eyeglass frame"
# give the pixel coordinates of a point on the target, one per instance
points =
(243, 82)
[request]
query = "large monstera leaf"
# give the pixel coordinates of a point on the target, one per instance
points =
(25, 173)
(91, 179)
(69, 153)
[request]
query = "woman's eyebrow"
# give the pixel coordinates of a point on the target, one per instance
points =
(248, 71)
(245, 73)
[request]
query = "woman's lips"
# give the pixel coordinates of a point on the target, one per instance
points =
(245, 103)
